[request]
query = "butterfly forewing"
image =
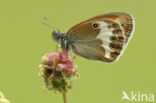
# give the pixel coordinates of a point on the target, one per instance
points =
(101, 38)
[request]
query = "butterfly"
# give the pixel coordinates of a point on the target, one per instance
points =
(101, 38)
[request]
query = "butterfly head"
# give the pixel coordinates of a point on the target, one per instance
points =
(61, 38)
(57, 36)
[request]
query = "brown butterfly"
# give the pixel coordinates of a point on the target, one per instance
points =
(100, 38)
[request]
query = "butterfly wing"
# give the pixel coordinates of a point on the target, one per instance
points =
(101, 38)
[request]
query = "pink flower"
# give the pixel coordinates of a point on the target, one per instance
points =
(63, 56)
(58, 70)
(58, 62)
(61, 67)
(50, 59)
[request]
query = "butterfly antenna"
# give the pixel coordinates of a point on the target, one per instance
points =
(47, 25)
(51, 24)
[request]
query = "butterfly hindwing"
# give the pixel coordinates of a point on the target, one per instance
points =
(101, 38)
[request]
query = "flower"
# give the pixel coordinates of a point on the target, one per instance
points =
(58, 71)
(3, 99)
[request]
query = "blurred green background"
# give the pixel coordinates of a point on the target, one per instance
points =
(24, 40)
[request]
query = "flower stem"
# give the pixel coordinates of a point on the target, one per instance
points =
(64, 97)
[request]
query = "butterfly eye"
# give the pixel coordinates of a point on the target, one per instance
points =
(95, 25)
(113, 38)
(112, 46)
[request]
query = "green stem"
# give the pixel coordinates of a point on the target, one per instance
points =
(64, 97)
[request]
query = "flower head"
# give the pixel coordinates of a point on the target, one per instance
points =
(58, 71)
(3, 99)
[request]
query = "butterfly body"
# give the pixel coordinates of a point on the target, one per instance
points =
(100, 38)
